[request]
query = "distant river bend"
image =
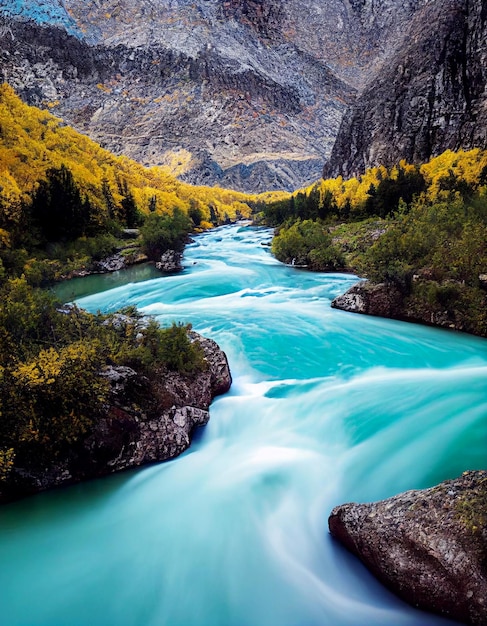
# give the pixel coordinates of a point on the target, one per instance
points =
(326, 407)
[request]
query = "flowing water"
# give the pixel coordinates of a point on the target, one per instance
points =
(326, 407)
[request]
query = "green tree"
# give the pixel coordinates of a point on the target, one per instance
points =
(165, 232)
(173, 348)
(58, 209)
(306, 243)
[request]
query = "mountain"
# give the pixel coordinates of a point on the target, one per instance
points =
(248, 94)
(33, 142)
(431, 95)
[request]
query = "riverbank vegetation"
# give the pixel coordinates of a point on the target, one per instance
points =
(422, 230)
(65, 202)
(54, 366)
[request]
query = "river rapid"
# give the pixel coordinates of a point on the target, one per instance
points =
(326, 407)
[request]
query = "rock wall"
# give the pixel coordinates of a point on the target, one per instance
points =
(387, 300)
(253, 94)
(430, 96)
(209, 118)
(370, 299)
(247, 94)
(429, 546)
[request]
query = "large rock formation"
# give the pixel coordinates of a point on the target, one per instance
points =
(430, 96)
(390, 301)
(246, 94)
(371, 299)
(429, 546)
(146, 419)
(251, 94)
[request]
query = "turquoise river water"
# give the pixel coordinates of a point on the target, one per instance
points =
(326, 407)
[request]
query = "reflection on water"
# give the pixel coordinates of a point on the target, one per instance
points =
(70, 290)
(326, 407)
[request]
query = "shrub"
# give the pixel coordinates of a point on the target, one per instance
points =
(173, 347)
(164, 232)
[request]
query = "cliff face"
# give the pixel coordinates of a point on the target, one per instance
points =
(429, 97)
(251, 94)
(246, 94)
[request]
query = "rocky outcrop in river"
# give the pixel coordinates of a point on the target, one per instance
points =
(170, 261)
(147, 418)
(428, 546)
(371, 299)
(388, 300)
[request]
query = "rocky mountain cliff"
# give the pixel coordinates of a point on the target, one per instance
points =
(431, 95)
(247, 94)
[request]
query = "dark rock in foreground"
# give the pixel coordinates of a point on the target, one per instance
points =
(428, 546)
(147, 419)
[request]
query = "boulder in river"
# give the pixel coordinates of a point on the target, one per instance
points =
(153, 420)
(428, 546)
(170, 261)
(371, 299)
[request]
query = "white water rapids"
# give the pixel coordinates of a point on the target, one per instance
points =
(326, 407)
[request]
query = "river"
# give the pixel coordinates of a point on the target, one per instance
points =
(326, 407)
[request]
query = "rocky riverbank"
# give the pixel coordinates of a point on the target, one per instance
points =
(428, 546)
(147, 418)
(170, 262)
(387, 300)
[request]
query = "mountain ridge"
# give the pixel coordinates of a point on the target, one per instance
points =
(256, 95)
(430, 96)
(249, 89)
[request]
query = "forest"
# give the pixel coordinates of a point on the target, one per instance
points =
(421, 229)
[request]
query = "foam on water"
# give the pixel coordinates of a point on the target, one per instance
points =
(326, 407)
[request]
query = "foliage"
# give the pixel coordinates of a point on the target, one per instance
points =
(173, 347)
(33, 141)
(381, 192)
(57, 186)
(58, 209)
(165, 232)
(471, 507)
(7, 457)
(423, 229)
(52, 392)
(306, 243)
(446, 237)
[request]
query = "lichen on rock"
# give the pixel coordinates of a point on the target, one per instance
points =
(429, 546)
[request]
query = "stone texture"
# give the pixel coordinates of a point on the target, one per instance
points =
(112, 263)
(387, 300)
(170, 262)
(243, 94)
(430, 96)
(428, 546)
(371, 299)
